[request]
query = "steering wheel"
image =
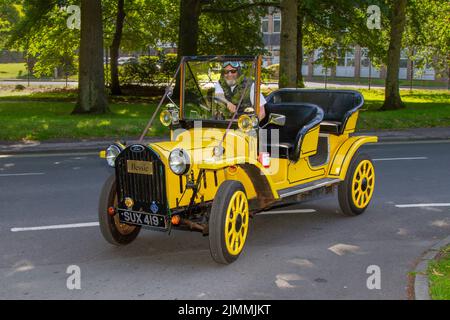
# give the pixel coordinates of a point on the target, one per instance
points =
(221, 109)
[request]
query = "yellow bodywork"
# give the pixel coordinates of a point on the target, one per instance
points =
(241, 153)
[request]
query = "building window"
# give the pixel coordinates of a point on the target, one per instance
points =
(265, 25)
(276, 23)
(403, 59)
(346, 58)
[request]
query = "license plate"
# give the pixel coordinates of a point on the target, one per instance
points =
(140, 167)
(143, 219)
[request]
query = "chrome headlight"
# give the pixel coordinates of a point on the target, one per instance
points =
(111, 154)
(179, 161)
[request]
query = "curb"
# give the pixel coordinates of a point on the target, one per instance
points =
(65, 147)
(421, 284)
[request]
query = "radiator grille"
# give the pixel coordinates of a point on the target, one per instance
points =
(145, 190)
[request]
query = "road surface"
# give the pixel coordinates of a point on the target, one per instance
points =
(306, 251)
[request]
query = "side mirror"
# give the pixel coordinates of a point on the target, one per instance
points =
(276, 119)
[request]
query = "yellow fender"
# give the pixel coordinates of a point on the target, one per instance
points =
(260, 177)
(344, 154)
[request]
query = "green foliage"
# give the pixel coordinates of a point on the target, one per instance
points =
(43, 34)
(54, 46)
(9, 16)
(236, 32)
(270, 73)
(427, 34)
(169, 64)
(149, 70)
(148, 23)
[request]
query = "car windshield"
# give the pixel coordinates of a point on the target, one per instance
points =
(212, 87)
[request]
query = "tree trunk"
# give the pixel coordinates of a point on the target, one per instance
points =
(190, 11)
(115, 47)
(392, 99)
(288, 45)
(91, 79)
(300, 16)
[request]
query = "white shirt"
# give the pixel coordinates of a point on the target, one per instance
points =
(219, 92)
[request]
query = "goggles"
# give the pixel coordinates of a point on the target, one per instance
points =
(234, 64)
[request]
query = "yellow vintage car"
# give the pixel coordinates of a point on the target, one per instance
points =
(222, 166)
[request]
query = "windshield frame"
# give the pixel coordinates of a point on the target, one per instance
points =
(184, 69)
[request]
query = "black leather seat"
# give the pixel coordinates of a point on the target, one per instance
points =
(338, 105)
(300, 117)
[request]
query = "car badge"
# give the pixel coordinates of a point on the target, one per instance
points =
(154, 207)
(137, 148)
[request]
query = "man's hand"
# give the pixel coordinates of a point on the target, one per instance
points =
(231, 107)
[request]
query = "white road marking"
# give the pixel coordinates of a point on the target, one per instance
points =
(421, 205)
(396, 159)
(60, 226)
(22, 174)
(437, 141)
(287, 211)
(48, 155)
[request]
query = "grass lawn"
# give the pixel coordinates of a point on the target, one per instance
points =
(381, 82)
(12, 70)
(38, 120)
(43, 114)
(439, 276)
(425, 108)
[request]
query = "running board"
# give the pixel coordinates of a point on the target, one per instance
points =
(307, 187)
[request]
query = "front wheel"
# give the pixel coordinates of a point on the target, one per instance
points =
(228, 222)
(112, 230)
(356, 191)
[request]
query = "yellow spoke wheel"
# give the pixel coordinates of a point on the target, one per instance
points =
(228, 222)
(363, 184)
(356, 191)
(236, 223)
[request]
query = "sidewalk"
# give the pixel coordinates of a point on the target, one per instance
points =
(419, 134)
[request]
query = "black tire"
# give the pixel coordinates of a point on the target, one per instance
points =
(345, 193)
(217, 222)
(111, 229)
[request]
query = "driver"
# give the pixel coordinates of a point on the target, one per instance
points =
(231, 86)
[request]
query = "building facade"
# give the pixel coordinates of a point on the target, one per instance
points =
(353, 63)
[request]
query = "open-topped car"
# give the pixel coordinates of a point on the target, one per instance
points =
(232, 154)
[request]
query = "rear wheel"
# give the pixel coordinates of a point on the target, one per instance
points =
(228, 222)
(356, 191)
(112, 230)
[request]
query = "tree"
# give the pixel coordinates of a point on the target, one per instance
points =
(392, 98)
(91, 96)
(228, 26)
(115, 47)
(288, 45)
(427, 35)
(300, 19)
(190, 11)
(9, 15)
